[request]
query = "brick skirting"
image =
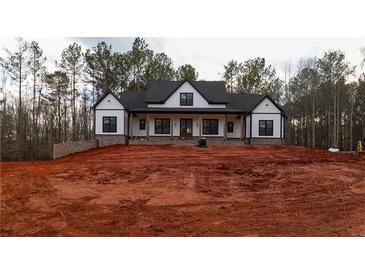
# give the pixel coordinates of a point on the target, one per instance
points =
(108, 140)
(156, 140)
(266, 141)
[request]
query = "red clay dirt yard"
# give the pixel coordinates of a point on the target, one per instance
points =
(183, 190)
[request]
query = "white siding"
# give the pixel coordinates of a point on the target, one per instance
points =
(175, 119)
(109, 102)
(220, 124)
(110, 106)
(266, 110)
(266, 106)
(120, 114)
(151, 123)
(236, 126)
(198, 101)
(276, 124)
(135, 124)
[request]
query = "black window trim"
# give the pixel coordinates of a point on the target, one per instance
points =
(110, 130)
(162, 126)
(186, 101)
(230, 127)
(140, 124)
(208, 131)
(267, 131)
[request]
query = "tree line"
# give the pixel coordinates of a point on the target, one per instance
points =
(323, 98)
(55, 106)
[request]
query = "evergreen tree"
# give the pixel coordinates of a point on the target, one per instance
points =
(16, 66)
(160, 67)
(37, 70)
(187, 72)
(230, 75)
(139, 56)
(101, 67)
(58, 83)
(72, 63)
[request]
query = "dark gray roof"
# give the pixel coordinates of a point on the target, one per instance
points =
(213, 91)
(241, 102)
(137, 101)
(244, 101)
(133, 99)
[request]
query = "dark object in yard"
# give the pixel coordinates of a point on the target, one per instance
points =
(202, 142)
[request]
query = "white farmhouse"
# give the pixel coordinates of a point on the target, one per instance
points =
(172, 111)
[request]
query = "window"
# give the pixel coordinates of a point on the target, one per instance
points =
(210, 127)
(142, 124)
(186, 99)
(162, 126)
(109, 124)
(266, 127)
(230, 127)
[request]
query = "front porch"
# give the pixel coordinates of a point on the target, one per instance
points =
(185, 127)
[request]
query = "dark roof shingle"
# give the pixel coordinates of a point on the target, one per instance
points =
(244, 101)
(212, 91)
(133, 99)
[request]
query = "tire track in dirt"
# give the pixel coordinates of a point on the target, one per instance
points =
(186, 191)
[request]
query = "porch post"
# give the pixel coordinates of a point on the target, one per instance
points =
(148, 126)
(242, 127)
(171, 127)
(200, 126)
(130, 126)
(225, 127)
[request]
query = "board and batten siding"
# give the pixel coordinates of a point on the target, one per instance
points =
(176, 124)
(135, 125)
(110, 106)
(236, 119)
(198, 101)
(266, 110)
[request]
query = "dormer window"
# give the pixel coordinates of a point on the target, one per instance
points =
(186, 99)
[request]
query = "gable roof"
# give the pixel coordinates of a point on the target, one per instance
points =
(214, 92)
(236, 103)
(272, 101)
(103, 97)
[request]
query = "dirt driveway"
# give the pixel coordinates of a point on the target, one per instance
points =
(183, 190)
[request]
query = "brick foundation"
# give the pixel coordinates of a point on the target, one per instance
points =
(63, 149)
(108, 140)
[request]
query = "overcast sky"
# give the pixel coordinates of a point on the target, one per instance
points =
(208, 55)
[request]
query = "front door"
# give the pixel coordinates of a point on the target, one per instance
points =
(186, 128)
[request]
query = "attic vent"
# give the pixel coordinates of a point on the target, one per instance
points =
(267, 105)
(108, 101)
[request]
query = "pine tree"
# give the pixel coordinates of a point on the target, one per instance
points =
(72, 63)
